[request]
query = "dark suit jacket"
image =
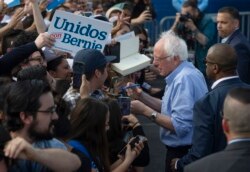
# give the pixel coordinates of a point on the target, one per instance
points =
(235, 158)
(208, 136)
(242, 47)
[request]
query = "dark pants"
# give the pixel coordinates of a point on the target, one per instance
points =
(174, 152)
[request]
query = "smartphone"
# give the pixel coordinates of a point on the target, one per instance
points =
(87, 13)
(124, 103)
(132, 143)
(79, 68)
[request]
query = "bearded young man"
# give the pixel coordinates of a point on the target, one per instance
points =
(30, 115)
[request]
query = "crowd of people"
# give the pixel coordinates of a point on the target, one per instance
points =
(64, 112)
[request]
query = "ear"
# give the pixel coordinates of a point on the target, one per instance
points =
(216, 68)
(176, 60)
(52, 73)
(26, 119)
(225, 126)
(236, 23)
(98, 73)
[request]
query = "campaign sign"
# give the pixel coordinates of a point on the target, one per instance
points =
(75, 32)
(53, 4)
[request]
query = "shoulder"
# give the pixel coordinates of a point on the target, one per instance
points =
(85, 161)
(238, 38)
(189, 75)
(204, 164)
(207, 19)
(53, 143)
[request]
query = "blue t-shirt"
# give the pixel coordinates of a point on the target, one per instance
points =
(26, 165)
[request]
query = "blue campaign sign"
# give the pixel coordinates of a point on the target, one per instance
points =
(12, 3)
(54, 3)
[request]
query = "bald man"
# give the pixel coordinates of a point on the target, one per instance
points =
(208, 136)
(236, 127)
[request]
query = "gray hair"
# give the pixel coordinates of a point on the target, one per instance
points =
(174, 45)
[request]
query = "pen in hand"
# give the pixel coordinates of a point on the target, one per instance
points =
(130, 86)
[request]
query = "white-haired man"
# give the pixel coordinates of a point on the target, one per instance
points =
(185, 85)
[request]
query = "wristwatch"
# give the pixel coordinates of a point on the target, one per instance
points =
(153, 116)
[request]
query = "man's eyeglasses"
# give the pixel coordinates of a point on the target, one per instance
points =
(51, 110)
(160, 59)
(209, 62)
(144, 42)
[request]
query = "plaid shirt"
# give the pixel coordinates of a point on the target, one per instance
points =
(72, 96)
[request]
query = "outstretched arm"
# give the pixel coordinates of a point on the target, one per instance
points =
(54, 159)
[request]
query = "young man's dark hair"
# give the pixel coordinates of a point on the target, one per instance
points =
(33, 72)
(9, 39)
(23, 96)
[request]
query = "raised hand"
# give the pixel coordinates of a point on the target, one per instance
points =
(85, 89)
(134, 92)
(144, 16)
(16, 18)
(44, 39)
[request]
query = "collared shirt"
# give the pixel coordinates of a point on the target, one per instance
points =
(72, 96)
(224, 40)
(238, 140)
(222, 79)
(185, 85)
(97, 94)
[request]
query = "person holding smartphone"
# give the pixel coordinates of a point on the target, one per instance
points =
(89, 123)
(119, 127)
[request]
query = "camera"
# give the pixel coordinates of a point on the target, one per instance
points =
(124, 103)
(185, 17)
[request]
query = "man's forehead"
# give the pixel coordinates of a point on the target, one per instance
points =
(47, 99)
(35, 54)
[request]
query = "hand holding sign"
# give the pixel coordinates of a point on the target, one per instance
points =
(44, 39)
